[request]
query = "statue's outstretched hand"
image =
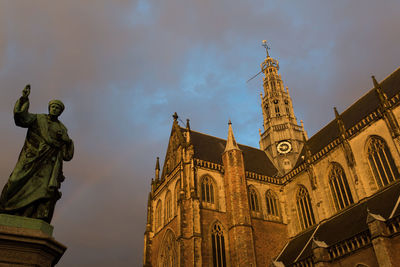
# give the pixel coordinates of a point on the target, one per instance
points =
(26, 91)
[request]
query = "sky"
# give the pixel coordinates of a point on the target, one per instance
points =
(123, 67)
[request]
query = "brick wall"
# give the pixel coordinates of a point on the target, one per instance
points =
(269, 240)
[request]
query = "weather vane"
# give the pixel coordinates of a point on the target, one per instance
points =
(264, 43)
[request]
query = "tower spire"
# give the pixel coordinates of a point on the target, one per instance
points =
(231, 142)
(282, 138)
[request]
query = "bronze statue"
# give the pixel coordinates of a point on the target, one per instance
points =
(32, 189)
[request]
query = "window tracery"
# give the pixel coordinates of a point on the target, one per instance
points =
(158, 215)
(168, 207)
(339, 186)
(381, 162)
(272, 204)
(304, 208)
(254, 206)
(207, 190)
(218, 246)
(177, 194)
(168, 255)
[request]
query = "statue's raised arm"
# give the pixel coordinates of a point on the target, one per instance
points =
(22, 117)
(32, 189)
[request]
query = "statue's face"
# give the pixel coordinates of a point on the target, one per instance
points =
(55, 110)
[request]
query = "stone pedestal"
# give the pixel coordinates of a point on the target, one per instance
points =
(27, 242)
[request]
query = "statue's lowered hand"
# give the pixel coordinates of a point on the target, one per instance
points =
(61, 136)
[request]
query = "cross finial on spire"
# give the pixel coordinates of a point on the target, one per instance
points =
(175, 116)
(264, 43)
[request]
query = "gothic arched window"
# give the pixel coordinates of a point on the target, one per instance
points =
(272, 203)
(253, 200)
(381, 161)
(177, 194)
(207, 190)
(218, 246)
(304, 208)
(168, 255)
(168, 207)
(339, 187)
(158, 215)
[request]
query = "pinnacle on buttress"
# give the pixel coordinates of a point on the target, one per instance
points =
(187, 124)
(381, 95)
(340, 123)
(187, 131)
(376, 84)
(157, 169)
(336, 113)
(231, 142)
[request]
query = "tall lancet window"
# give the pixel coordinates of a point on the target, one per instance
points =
(272, 204)
(304, 208)
(177, 195)
(277, 110)
(287, 107)
(168, 253)
(339, 187)
(381, 161)
(253, 200)
(207, 190)
(158, 215)
(218, 246)
(168, 207)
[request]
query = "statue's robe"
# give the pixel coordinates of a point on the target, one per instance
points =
(32, 188)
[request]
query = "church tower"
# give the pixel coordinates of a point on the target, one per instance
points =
(282, 138)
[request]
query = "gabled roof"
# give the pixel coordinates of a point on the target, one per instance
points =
(354, 114)
(344, 225)
(210, 148)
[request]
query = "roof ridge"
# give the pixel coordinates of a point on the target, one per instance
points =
(348, 208)
(224, 139)
(370, 90)
(357, 100)
(360, 202)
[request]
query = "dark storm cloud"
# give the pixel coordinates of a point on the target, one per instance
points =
(123, 67)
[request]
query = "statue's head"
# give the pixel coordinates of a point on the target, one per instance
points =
(56, 107)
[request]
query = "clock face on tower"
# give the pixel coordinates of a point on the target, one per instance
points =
(284, 147)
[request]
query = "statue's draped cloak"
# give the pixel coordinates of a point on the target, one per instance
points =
(38, 172)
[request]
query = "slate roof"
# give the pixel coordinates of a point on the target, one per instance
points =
(344, 225)
(355, 113)
(210, 148)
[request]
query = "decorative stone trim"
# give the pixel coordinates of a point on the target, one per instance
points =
(347, 246)
(209, 165)
(307, 262)
(366, 121)
(393, 226)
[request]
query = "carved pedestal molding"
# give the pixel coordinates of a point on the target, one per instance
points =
(28, 242)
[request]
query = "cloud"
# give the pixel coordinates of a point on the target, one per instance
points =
(123, 67)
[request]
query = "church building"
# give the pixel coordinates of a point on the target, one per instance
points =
(328, 200)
